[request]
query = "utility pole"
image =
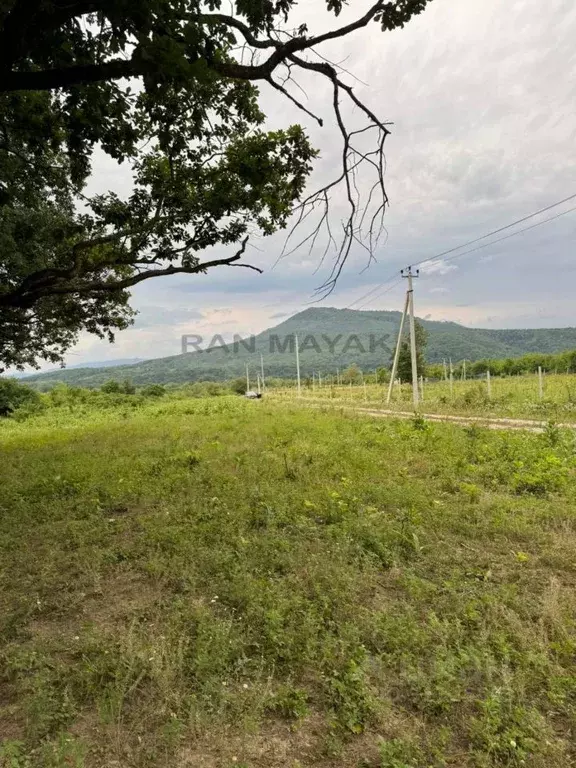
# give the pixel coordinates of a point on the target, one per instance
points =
(262, 371)
(247, 379)
(298, 365)
(258, 383)
(409, 276)
(540, 383)
(397, 351)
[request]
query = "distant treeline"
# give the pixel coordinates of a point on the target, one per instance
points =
(20, 400)
(562, 362)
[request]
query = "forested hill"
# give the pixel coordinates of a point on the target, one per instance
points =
(330, 339)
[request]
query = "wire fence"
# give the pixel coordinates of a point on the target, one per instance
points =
(551, 396)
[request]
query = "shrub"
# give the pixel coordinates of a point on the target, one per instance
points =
(398, 753)
(290, 703)
(154, 390)
(476, 395)
(15, 396)
(111, 387)
(547, 474)
(238, 386)
(128, 387)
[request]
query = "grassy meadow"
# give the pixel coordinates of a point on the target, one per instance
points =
(214, 582)
(509, 397)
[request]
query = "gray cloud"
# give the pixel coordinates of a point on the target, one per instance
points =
(150, 316)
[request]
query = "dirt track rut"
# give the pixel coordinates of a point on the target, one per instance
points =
(528, 425)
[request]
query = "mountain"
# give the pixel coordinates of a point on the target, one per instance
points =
(328, 339)
(97, 364)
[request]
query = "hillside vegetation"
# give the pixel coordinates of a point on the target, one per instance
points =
(221, 583)
(332, 338)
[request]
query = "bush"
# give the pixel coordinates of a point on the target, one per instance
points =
(352, 374)
(128, 388)
(477, 395)
(547, 474)
(238, 386)
(382, 375)
(154, 390)
(14, 396)
(111, 387)
(62, 394)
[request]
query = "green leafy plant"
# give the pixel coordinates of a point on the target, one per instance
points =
(15, 396)
(397, 753)
(290, 702)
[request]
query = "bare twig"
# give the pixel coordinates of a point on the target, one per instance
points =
(283, 90)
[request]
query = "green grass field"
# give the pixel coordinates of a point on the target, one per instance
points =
(510, 397)
(213, 583)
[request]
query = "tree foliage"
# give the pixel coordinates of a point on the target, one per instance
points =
(382, 375)
(14, 395)
(561, 362)
(352, 375)
(238, 385)
(171, 88)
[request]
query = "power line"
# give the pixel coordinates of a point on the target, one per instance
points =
(497, 231)
(464, 245)
(378, 295)
(507, 237)
(473, 250)
(373, 290)
(471, 242)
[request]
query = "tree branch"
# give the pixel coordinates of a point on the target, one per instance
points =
(24, 297)
(279, 87)
(352, 27)
(113, 70)
(66, 77)
(351, 158)
(230, 21)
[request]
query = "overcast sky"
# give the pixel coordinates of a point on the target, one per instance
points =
(482, 97)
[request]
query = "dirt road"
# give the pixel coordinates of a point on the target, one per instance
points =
(529, 425)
